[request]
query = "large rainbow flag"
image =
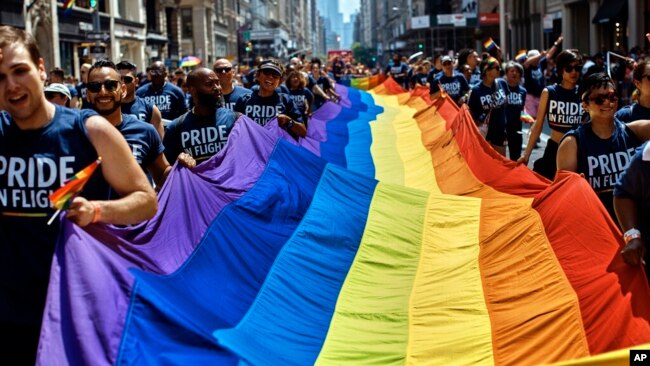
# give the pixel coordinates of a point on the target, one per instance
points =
(392, 234)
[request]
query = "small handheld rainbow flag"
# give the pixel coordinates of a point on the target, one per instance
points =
(521, 56)
(489, 44)
(525, 117)
(68, 6)
(62, 197)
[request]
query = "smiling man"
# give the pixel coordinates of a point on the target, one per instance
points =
(41, 146)
(231, 92)
(105, 94)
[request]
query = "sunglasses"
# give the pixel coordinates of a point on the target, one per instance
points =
(220, 70)
(600, 99)
(127, 79)
(109, 85)
(576, 68)
(446, 63)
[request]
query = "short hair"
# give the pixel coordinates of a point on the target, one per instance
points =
(11, 35)
(193, 79)
(639, 69)
(316, 60)
(594, 81)
(515, 65)
(102, 63)
(57, 71)
(565, 58)
(464, 54)
(126, 65)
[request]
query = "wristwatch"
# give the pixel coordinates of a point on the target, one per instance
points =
(289, 125)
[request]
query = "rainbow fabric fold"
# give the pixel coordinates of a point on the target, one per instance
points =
(68, 6)
(392, 234)
(61, 198)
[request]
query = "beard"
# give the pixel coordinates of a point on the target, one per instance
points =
(209, 100)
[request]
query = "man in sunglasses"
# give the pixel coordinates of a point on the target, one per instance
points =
(203, 131)
(602, 148)
(41, 146)
(169, 98)
(105, 94)
(231, 92)
(132, 104)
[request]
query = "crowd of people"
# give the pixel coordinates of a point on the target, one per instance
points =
(141, 122)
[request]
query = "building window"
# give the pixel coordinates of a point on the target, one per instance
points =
(220, 11)
(186, 22)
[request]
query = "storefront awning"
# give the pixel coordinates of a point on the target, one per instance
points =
(609, 10)
(154, 38)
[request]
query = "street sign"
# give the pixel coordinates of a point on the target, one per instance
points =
(98, 36)
(247, 36)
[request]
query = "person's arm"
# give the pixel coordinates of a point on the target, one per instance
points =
(536, 128)
(567, 154)
(318, 91)
(156, 121)
(641, 129)
(159, 170)
(138, 200)
(554, 48)
(291, 125)
(626, 213)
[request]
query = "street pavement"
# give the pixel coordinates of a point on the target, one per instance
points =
(538, 151)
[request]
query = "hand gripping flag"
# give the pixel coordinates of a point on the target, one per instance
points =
(62, 197)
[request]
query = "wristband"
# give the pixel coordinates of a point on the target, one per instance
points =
(289, 125)
(631, 235)
(555, 44)
(97, 212)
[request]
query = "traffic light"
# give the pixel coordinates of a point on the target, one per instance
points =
(249, 47)
(93, 4)
(420, 46)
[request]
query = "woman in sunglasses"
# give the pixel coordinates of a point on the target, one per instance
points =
(560, 105)
(640, 109)
(486, 103)
(602, 148)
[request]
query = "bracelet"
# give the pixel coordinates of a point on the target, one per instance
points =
(631, 235)
(289, 125)
(97, 212)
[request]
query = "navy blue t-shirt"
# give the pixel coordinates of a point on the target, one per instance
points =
(199, 136)
(234, 96)
(81, 93)
(263, 109)
(419, 79)
(632, 112)
(634, 183)
(170, 99)
(396, 69)
(140, 108)
(33, 164)
(603, 160)
(143, 139)
(564, 110)
(456, 86)
(302, 98)
(490, 101)
(516, 99)
(534, 81)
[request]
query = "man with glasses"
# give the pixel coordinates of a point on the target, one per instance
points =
(454, 84)
(105, 94)
(203, 131)
(169, 98)
(602, 148)
(60, 142)
(231, 92)
(132, 104)
(58, 94)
